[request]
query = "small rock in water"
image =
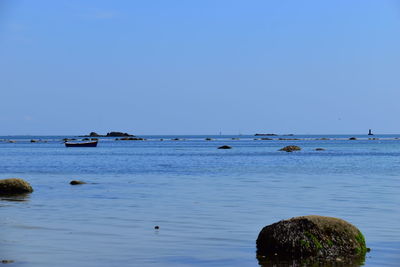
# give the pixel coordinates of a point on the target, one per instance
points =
(290, 148)
(6, 261)
(76, 182)
(156, 227)
(225, 147)
(352, 138)
(14, 186)
(320, 149)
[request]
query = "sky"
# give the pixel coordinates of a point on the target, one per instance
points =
(199, 67)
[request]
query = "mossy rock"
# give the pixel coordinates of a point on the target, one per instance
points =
(290, 148)
(13, 186)
(312, 238)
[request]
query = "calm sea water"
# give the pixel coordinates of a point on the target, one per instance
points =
(210, 204)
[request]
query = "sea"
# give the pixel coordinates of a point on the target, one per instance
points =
(208, 204)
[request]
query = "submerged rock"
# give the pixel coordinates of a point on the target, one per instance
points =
(13, 186)
(290, 148)
(320, 149)
(352, 138)
(76, 182)
(311, 238)
(224, 147)
(131, 139)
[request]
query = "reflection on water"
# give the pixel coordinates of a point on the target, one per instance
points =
(310, 262)
(15, 198)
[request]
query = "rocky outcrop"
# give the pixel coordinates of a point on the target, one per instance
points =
(131, 139)
(290, 148)
(310, 238)
(110, 134)
(267, 134)
(94, 134)
(224, 147)
(118, 134)
(14, 186)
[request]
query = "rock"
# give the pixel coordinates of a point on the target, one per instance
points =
(352, 138)
(12, 141)
(94, 134)
(34, 141)
(290, 148)
(131, 139)
(76, 182)
(319, 149)
(267, 134)
(118, 134)
(224, 147)
(209, 139)
(14, 186)
(156, 227)
(311, 238)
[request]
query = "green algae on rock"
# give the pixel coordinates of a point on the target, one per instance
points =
(12, 186)
(312, 238)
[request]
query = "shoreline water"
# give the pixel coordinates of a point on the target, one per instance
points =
(209, 204)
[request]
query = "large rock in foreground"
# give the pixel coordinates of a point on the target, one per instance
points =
(14, 186)
(312, 238)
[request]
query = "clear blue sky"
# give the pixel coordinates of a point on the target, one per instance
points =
(187, 67)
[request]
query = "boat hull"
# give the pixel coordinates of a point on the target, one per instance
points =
(86, 144)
